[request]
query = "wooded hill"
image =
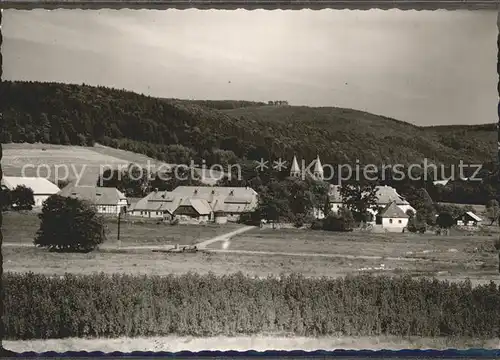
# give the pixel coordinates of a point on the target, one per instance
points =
(226, 131)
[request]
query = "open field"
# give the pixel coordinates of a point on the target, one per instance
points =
(22, 227)
(84, 163)
(25, 259)
(247, 343)
(408, 245)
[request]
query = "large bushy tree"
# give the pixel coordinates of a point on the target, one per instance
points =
(69, 224)
(359, 198)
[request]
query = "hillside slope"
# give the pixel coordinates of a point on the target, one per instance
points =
(177, 131)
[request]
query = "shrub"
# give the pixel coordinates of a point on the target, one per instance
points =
(5, 199)
(39, 306)
(445, 220)
(317, 224)
(22, 198)
(343, 221)
(69, 224)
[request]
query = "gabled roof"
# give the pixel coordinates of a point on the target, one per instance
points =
(474, 216)
(94, 194)
(199, 205)
(39, 185)
(392, 210)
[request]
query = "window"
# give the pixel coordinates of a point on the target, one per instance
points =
(400, 221)
(390, 221)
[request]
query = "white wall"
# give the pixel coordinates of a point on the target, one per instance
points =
(396, 224)
(39, 199)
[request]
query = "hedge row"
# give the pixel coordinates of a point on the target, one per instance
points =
(38, 306)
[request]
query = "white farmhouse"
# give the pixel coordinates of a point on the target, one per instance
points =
(42, 188)
(392, 218)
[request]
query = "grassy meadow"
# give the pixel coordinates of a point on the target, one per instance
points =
(21, 228)
(83, 163)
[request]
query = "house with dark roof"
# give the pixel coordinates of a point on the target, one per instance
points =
(392, 218)
(107, 200)
(42, 188)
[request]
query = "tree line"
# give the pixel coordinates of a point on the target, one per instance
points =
(230, 132)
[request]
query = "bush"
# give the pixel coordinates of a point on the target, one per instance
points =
(69, 224)
(445, 220)
(22, 198)
(39, 306)
(250, 218)
(5, 199)
(342, 222)
(317, 224)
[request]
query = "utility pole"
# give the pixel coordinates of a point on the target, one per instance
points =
(122, 210)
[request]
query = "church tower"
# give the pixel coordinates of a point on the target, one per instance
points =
(318, 170)
(295, 170)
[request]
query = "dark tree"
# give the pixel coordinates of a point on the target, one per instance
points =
(69, 224)
(492, 210)
(5, 199)
(358, 198)
(445, 220)
(22, 198)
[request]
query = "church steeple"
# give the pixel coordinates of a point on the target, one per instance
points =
(318, 169)
(295, 169)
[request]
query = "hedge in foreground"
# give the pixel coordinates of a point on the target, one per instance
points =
(38, 306)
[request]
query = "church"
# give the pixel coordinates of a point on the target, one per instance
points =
(387, 196)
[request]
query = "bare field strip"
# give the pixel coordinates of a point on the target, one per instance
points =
(139, 262)
(246, 343)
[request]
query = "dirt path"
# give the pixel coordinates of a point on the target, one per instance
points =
(344, 256)
(224, 237)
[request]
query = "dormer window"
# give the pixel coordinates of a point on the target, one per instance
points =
(213, 192)
(196, 191)
(231, 193)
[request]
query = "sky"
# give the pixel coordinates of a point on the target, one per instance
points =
(423, 67)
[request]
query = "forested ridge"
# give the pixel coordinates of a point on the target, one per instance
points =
(227, 131)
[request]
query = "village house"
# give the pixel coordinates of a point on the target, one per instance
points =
(386, 195)
(469, 219)
(392, 218)
(225, 203)
(194, 209)
(42, 188)
(107, 200)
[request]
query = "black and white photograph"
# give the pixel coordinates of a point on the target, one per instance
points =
(216, 180)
